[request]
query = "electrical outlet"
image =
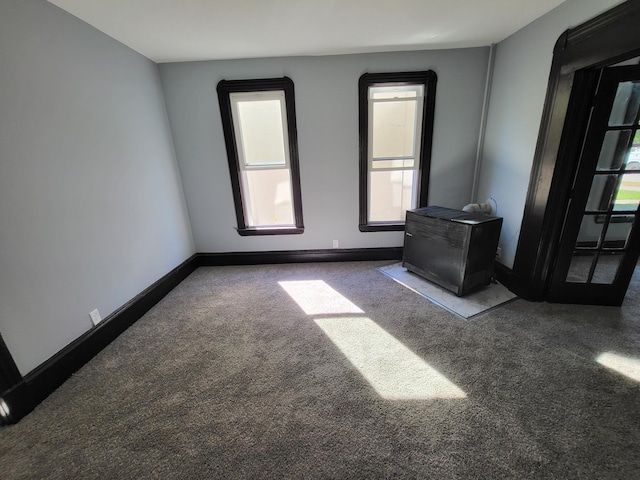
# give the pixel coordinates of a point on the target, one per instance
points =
(498, 253)
(336, 244)
(95, 316)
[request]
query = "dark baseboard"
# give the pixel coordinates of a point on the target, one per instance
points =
(299, 256)
(26, 393)
(41, 382)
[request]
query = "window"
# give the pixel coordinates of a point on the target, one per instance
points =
(258, 119)
(396, 125)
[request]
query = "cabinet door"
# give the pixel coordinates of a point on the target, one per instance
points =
(434, 249)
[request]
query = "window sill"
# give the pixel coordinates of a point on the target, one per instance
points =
(382, 227)
(249, 232)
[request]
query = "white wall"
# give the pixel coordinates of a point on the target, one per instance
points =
(522, 66)
(91, 206)
(326, 94)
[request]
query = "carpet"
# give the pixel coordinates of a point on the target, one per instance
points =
(467, 307)
(294, 371)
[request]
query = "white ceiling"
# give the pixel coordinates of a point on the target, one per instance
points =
(184, 30)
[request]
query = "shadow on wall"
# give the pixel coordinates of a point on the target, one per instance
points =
(505, 187)
(450, 185)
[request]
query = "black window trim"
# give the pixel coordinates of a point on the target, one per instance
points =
(224, 89)
(427, 78)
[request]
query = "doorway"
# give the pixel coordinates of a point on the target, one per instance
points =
(581, 56)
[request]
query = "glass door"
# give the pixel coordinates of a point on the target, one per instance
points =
(599, 246)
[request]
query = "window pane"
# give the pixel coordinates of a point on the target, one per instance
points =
(261, 132)
(625, 105)
(395, 164)
(391, 195)
(394, 127)
(269, 201)
(614, 149)
(408, 91)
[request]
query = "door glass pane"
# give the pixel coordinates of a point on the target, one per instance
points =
(590, 231)
(601, 193)
(633, 158)
(606, 268)
(625, 105)
(628, 194)
(618, 231)
(394, 128)
(580, 266)
(614, 149)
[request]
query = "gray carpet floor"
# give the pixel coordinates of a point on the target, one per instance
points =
(228, 377)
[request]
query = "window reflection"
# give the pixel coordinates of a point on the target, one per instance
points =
(606, 268)
(614, 149)
(625, 105)
(628, 195)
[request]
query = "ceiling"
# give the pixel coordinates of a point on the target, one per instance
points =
(185, 30)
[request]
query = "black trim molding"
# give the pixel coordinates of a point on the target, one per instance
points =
(382, 227)
(300, 256)
(37, 385)
(506, 277)
(429, 80)
(20, 395)
(285, 84)
(249, 232)
(604, 40)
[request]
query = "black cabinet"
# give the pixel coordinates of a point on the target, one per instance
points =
(451, 248)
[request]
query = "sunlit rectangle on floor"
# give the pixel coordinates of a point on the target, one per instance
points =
(627, 366)
(394, 371)
(315, 297)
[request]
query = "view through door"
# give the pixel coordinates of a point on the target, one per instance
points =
(600, 241)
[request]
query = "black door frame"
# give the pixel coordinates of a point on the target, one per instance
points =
(607, 39)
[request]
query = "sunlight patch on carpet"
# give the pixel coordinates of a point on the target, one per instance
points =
(394, 371)
(315, 297)
(627, 366)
